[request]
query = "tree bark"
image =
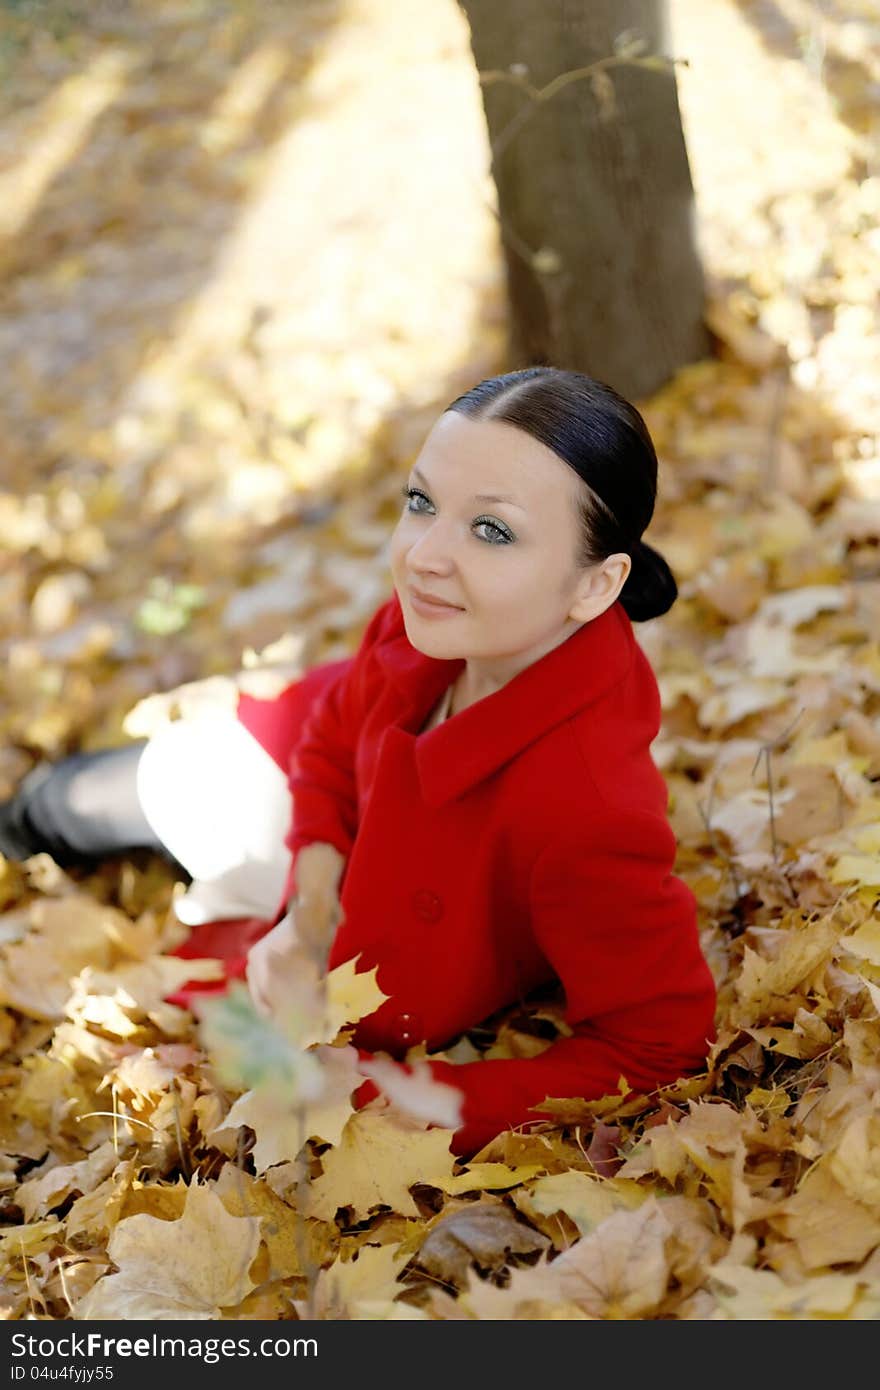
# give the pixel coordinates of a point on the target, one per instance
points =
(594, 189)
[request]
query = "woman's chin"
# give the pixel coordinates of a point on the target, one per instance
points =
(422, 636)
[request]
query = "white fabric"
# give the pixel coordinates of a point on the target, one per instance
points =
(222, 806)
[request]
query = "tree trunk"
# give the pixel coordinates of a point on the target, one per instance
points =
(594, 189)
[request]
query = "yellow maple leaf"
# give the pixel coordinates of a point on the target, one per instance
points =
(858, 868)
(350, 997)
(281, 1228)
(762, 1295)
(359, 1287)
(281, 1128)
(167, 1201)
(867, 839)
(29, 1240)
(586, 1199)
(864, 942)
(377, 1161)
(487, 1177)
(192, 1268)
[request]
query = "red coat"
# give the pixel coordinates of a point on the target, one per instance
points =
(524, 840)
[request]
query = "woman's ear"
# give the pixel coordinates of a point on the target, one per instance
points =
(600, 586)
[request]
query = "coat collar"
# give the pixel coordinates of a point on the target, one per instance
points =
(474, 743)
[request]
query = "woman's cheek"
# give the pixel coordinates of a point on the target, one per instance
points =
(396, 549)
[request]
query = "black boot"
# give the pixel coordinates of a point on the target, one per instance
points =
(79, 810)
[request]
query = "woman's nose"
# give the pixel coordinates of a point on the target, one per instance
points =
(434, 547)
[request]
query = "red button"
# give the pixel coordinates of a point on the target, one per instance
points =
(407, 1029)
(427, 905)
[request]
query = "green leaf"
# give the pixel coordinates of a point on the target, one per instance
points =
(250, 1052)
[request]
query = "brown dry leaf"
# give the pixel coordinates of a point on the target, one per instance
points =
(268, 1303)
(483, 1233)
(809, 1037)
(40, 1195)
(815, 808)
(29, 1240)
(855, 1161)
(192, 1268)
(712, 1138)
(621, 1270)
(375, 1164)
(94, 1215)
(146, 1073)
(58, 1103)
(72, 1279)
(825, 1223)
(118, 1001)
(765, 987)
(567, 1110)
(548, 1150)
(387, 1228)
(66, 935)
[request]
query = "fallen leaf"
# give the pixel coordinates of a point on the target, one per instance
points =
(375, 1164)
(192, 1268)
(416, 1093)
(483, 1233)
(280, 1126)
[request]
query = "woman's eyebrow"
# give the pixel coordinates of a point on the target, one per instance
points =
(478, 496)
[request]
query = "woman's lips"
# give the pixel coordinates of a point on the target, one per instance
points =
(434, 609)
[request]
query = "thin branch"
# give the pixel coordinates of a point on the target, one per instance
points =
(765, 751)
(184, 1161)
(538, 96)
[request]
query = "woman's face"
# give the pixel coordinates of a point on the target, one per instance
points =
(508, 566)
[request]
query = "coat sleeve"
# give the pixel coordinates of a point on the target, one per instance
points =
(619, 929)
(322, 776)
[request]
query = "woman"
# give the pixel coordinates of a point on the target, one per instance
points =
(481, 767)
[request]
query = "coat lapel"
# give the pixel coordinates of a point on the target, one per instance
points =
(464, 750)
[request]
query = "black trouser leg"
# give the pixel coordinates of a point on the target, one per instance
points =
(80, 809)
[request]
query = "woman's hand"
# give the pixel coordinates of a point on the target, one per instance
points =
(270, 962)
(305, 933)
(316, 908)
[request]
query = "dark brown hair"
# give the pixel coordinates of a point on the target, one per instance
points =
(606, 441)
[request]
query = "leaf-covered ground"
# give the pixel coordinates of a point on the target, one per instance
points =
(247, 254)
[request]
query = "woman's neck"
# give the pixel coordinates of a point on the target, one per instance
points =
(477, 679)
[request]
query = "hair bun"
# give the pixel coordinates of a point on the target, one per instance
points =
(650, 589)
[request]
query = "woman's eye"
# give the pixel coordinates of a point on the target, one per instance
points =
(499, 534)
(410, 493)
